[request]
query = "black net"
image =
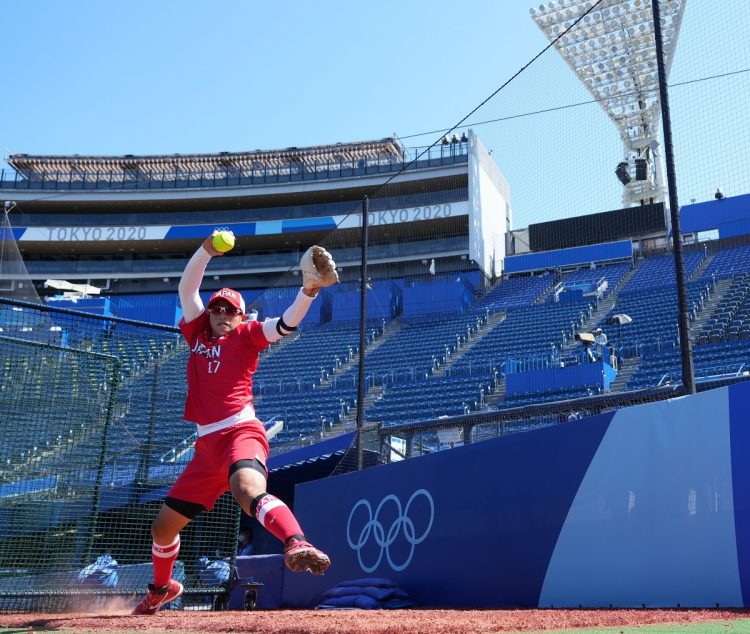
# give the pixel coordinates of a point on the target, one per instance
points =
(92, 441)
(14, 277)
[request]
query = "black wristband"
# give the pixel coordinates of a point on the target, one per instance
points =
(283, 329)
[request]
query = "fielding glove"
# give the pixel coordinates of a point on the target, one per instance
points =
(318, 269)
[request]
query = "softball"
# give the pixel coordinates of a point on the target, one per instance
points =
(223, 241)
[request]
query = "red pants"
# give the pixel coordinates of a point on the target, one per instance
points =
(206, 478)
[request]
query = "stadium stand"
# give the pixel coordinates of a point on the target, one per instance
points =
(517, 291)
(728, 262)
(452, 359)
(595, 277)
(730, 318)
(658, 271)
(652, 311)
(541, 329)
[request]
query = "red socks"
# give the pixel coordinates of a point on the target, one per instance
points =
(164, 558)
(276, 517)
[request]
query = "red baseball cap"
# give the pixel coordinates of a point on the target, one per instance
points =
(231, 296)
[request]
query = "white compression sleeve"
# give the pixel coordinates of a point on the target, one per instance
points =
(292, 317)
(190, 282)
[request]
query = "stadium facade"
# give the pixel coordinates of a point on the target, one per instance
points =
(128, 224)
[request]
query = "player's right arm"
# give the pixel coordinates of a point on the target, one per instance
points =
(192, 276)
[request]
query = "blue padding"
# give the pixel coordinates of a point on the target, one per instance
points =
(568, 257)
(652, 523)
(486, 518)
(714, 213)
(93, 305)
(277, 300)
(382, 302)
(265, 569)
(158, 308)
(571, 296)
(26, 487)
(440, 295)
(739, 417)
(273, 304)
(308, 224)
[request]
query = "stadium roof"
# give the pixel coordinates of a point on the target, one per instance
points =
(38, 165)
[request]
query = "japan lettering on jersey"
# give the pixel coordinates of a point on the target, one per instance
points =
(220, 369)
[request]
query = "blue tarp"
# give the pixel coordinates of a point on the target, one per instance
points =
(310, 453)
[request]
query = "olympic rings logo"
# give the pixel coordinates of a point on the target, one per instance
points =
(374, 528)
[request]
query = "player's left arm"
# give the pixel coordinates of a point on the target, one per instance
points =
(318, 271)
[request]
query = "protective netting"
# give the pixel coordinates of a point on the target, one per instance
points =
(92, 439)
(14, 277)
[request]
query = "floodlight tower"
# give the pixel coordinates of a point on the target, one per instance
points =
(613, 52)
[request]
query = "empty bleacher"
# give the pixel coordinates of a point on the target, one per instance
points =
(430, 398)
(710, 361)
(658, 271)
(304, 360)
(728, 262)
(434, 348)
(540, 329)
(517, 291)
(730, 319)
(612, 273)
(654, 315)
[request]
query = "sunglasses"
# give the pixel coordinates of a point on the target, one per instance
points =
(224, 310)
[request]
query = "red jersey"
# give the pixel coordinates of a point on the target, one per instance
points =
(220, 369)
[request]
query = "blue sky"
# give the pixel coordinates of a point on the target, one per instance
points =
(183, 76)
(169, 76)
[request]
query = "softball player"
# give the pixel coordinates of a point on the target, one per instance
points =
(232, 447)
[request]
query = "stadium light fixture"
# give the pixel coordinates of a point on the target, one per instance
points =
(622, 173)
(612, 50)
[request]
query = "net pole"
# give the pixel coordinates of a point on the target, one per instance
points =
(220, 601)
(686, 350)
(114, 386)
(147, 448)
(361, 388)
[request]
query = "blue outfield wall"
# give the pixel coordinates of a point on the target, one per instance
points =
(649, 505)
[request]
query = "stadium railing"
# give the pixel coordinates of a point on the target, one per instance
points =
(291, 172)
